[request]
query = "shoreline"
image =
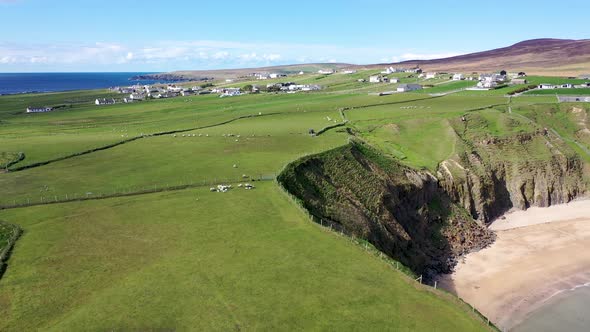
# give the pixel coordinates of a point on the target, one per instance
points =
(538, 256)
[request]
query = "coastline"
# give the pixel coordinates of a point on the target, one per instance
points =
(543, 250)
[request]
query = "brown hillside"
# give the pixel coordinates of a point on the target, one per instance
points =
(537, 56)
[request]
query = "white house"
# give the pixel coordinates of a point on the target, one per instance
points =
(39, 109)
(393, 80)
(546, 86)
(430, 75)
(348, 72)
(567, 86)
(486, 84)
(229, 80)
(174, 88)
(326, 71)
(408, 87)
(104, 101)
(458, 77)
(137, 96)
(375, 79)
(230, 92)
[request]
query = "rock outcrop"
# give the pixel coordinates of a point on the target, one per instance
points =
(402, 211)
(493, 175)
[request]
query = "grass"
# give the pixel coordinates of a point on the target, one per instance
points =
(197, 260)
(242, 260)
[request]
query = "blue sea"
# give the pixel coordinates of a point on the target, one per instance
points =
(12, 83)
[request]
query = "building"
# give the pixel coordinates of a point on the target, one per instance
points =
(519, 81)
(326, 71)
(230, 92)
(137, 96)
(348, 72)
(277, 75)
(186, 93)
(546, 86)
(566, 86)
(39, 109)
(375, 79)
(174, 88)
(408, 87)
(458, 77)
(393, 80)
(104, 101)
(487, 84)
(430, 75)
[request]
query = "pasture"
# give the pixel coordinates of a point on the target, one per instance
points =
(193, 259)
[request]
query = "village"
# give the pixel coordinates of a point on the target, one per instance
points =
(402, 80)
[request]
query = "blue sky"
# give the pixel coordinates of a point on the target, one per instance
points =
(43, 35)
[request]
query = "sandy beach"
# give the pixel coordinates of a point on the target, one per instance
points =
(538, 254)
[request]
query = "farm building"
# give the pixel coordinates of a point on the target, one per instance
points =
(545, 86)
(393, 80)
(39, 109)
(566, 86)
(326, 71)
(104, 101)
(348, 72)
(375, 79)
(430, 75)
(519, 81)
(458, 77)
(409, 87)
(573, 99)
(277, 75)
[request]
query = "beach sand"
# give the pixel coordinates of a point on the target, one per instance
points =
(538, 253)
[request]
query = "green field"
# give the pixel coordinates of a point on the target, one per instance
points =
(149, 247)
(195, 260)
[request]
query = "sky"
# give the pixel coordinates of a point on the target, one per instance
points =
(155, 36)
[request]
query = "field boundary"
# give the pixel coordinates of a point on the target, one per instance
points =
(130, 192)
(112, 145)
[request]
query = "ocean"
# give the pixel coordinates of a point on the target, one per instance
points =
(12, 83)
(568, 311)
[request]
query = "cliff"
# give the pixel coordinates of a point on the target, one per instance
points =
(403, 212)
(492, 174)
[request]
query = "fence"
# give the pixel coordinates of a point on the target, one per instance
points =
(128, 191)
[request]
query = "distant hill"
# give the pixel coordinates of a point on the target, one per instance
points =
(537, 56)
(564, 57)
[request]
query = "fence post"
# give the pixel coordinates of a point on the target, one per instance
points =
(435, 283)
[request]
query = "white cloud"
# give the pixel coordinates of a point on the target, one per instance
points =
(199, 54)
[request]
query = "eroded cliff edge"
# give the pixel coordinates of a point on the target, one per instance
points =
(402, 211)
(427, 220)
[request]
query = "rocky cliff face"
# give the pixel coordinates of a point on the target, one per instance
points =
(492, 175)
(401, 211)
